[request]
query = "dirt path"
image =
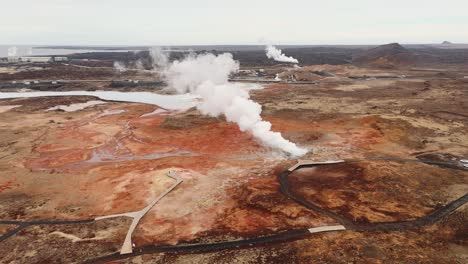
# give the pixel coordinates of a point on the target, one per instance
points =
(346, 224)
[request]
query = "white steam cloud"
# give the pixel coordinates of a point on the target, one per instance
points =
(273, 53)
(12, 51)
(160, 59)
(207, 76)
(119, 66)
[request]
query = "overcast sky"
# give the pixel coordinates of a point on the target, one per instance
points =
(190, 22)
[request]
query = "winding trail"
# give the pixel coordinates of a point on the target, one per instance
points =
(351, 225)
(345, 224)
(290, 235)
(137, 215)
(23, 224)
(127, 246)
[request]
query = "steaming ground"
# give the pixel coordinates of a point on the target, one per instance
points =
(276, 54)
(113, 158)
(206, 76)
(119, 66)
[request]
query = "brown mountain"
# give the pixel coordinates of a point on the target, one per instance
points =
(391, 55)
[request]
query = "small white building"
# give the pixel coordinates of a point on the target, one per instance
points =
(36, 59)
(59, 59)
(13, 59)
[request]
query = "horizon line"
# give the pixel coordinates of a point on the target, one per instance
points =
(211, 45)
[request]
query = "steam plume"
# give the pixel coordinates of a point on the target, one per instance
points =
(120, 67)
(12, 51)
(160, 59)
(273, 53)
(207, 76)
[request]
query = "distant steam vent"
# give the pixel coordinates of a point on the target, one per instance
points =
(276, 54)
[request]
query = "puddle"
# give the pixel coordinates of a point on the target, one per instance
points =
(75, 107)
(155, 112)
(111, 112)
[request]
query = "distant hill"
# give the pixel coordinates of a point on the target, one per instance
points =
(391, 55)
(446, 43)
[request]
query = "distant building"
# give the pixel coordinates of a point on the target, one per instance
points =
(13, 59)
(36, 59)
(60, 59)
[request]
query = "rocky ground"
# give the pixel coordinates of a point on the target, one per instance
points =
(112, 158)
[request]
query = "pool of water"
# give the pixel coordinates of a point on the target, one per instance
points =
(172, 102)
(27, 50)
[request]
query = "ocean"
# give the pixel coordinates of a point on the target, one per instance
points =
(23, 50)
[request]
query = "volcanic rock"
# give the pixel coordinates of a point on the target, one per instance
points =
(391, 55)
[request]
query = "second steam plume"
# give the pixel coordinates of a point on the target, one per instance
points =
(206, 76)
(274, 53)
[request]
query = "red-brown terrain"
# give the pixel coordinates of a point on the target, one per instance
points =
(111, 158)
